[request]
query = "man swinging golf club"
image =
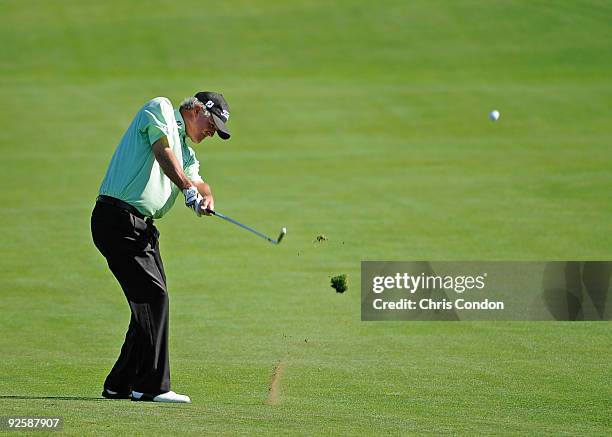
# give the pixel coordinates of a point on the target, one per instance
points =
(150, 167)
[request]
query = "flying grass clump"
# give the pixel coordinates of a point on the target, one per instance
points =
(339, 283)
(321, 238)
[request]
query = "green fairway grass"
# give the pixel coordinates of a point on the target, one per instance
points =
(363, 121)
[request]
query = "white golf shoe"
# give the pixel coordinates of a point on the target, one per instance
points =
(168, 397)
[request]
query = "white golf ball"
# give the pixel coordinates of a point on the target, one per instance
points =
(494, 115)
(284, 230)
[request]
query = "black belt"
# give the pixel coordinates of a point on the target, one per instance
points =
(108, 200)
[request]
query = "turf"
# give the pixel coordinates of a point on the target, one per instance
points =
(363, 121)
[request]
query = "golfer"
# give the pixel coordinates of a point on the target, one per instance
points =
(151, 166)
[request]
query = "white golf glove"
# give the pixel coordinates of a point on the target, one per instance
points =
(193, 199)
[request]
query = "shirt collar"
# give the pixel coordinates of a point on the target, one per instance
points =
(180, 123)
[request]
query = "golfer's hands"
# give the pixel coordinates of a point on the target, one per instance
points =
(198, 203)
(208, 202)
(193, 200)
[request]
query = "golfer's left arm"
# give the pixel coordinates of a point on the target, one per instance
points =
(206, 193)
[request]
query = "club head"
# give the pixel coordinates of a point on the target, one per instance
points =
(281, 235)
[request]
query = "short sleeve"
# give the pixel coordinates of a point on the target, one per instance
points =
(159, 117)
(191, 166)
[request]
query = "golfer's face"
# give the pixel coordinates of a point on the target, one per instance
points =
(203, 126)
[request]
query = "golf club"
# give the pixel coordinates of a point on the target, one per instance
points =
(259, 234)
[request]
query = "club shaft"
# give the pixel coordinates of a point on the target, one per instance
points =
(231, 220)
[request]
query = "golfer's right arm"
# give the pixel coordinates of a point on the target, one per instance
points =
(169, 164)
(171, 168)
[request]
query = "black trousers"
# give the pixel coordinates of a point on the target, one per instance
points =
(131, 248)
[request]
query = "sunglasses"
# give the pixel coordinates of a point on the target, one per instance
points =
(211, 121)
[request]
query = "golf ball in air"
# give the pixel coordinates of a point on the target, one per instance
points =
(494, 115)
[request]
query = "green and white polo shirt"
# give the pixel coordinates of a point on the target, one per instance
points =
(134, 175)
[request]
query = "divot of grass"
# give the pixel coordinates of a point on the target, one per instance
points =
(274, 390)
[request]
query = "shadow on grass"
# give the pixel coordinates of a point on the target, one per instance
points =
(56, 398)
